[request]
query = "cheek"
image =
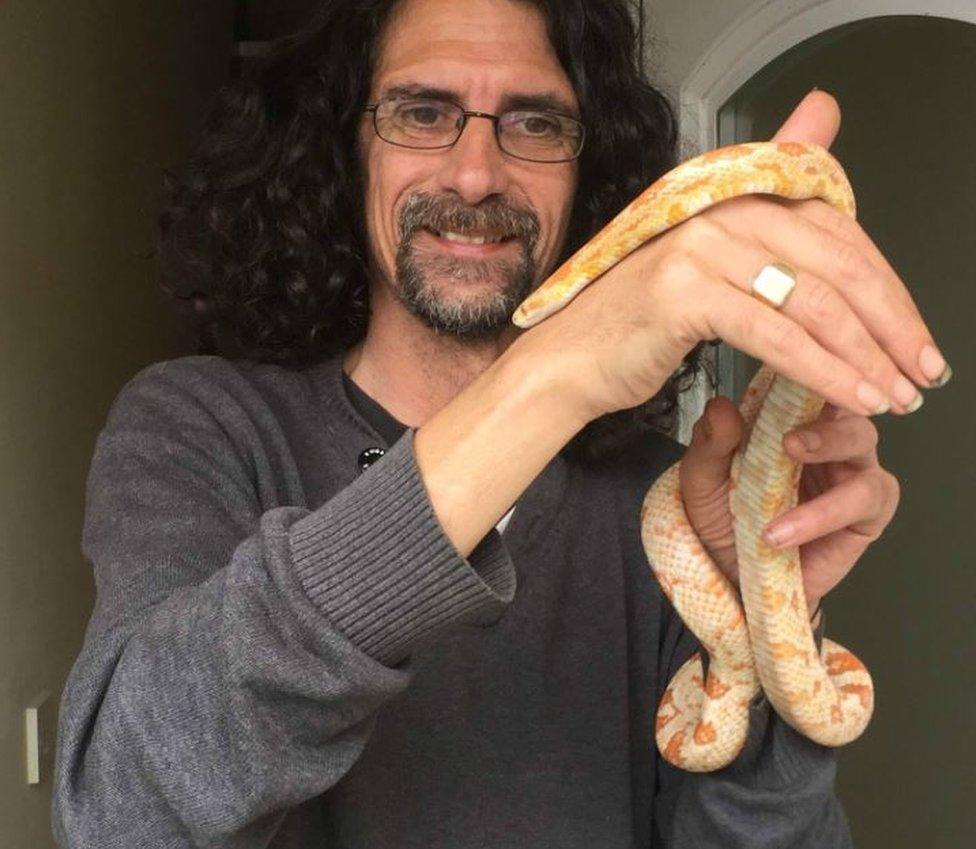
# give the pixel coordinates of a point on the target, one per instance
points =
(561, 205)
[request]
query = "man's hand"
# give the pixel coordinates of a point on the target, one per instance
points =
(846, 498)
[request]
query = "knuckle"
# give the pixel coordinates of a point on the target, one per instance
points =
(783, 336)
(821, 303)
(865, 432)
(677, 271)
(893, 487)
(875, 495)
(697, 235)
(850, 260)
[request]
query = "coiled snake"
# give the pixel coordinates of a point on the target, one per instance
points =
(702, 722)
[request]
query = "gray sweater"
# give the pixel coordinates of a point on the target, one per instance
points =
(287, 651)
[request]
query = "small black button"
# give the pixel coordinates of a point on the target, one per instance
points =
(368, 457)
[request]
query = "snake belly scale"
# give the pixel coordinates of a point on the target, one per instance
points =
(757, 638)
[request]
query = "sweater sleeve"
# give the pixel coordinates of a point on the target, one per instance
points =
(238, 654)
(777, 794)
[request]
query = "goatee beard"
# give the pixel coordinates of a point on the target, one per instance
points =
(464, 315)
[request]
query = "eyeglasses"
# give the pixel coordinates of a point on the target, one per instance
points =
(433, 124)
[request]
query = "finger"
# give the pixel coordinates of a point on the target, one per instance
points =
(862, 505)
(815, 119)
(785, 346)
(826, 561)
(844, 256)
(704, 476)
(852, 440)
(814, 303)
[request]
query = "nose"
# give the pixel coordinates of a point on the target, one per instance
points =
(475, 167)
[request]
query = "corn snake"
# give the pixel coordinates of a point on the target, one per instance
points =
(761, 640)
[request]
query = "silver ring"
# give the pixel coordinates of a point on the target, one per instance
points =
(774, 284)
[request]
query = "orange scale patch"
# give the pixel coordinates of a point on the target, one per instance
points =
(792, 148)
(705, 733)
(862, 691)
(715, 585)
(770, 166)
(732, 152)
(715, 688)
(667, 703)
(672, 751)
(839, 662)
(784, 651)
(676, 213)
(798, 698)
(773, 600)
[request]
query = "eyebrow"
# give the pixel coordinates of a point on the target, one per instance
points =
(543, 101)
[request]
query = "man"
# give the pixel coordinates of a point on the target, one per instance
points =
(297, 644)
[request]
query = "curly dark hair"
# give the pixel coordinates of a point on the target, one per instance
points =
(265, 229)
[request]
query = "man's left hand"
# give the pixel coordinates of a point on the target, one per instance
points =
(846, 499)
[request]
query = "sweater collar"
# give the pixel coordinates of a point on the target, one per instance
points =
(533, 518)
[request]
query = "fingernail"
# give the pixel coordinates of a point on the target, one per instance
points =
(934, 366)
(906, 394)
(780, 534)
(872, 398)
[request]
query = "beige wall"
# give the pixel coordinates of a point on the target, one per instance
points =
(95, 98)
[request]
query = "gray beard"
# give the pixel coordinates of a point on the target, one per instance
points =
(463, 315)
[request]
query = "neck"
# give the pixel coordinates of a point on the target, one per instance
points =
(410, 370)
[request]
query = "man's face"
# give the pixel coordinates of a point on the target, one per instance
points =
(486, 52)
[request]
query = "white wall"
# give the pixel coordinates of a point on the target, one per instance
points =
(678, 32)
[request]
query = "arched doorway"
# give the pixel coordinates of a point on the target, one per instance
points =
(904, 78)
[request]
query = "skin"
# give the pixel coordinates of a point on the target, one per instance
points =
(482, 49)
(602, 352)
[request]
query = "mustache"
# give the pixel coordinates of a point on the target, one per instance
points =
(439, 212)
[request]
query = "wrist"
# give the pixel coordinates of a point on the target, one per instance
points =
(559, 370)
(480, 452)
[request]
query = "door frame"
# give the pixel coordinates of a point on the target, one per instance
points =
(766, 30)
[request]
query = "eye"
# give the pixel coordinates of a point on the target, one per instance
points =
(424, 115)
(537, 124)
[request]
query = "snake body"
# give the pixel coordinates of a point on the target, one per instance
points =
(763, 640)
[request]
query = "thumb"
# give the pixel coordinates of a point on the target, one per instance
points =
(815, 119)
(704, 477)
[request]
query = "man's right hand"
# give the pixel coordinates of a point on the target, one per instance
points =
(850, 331)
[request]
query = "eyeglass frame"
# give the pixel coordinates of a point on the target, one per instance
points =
(471, 113)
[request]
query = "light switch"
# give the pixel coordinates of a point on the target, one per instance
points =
(40, 728)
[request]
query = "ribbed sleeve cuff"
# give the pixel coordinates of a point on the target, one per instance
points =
(375, 560)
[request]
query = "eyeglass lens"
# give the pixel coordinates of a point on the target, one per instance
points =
(537, 136)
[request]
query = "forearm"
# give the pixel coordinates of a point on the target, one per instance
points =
(479, 453)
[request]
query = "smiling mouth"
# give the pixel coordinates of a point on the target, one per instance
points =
(472, 237)
(472, 243)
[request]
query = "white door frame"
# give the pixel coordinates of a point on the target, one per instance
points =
(764, 31)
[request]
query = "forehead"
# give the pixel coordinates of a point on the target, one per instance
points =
(482, 49)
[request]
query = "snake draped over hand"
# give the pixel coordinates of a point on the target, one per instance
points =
(761, 639)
